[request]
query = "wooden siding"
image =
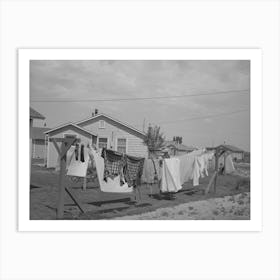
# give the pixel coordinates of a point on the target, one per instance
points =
(113, 131)
(38, 149)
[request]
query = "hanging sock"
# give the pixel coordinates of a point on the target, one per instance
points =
(82, 157)
(77, 152)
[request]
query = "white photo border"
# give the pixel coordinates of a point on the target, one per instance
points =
(255, 57)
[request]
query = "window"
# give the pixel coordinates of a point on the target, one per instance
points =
(102, 142)
(121, 145)
(101, 124)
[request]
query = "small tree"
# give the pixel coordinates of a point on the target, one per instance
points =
(154, 138)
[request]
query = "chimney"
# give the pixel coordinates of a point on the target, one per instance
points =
(96, 111)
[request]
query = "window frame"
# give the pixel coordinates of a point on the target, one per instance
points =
(126, 144)
(104, 137)
(100, 126)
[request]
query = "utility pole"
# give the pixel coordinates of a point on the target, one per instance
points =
(144, 124)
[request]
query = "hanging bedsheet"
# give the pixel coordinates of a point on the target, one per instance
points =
(171, 181)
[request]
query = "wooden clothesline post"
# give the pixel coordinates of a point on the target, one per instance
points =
(66, 143)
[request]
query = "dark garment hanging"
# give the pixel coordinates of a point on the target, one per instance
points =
(113, 163)
(82, 157)
(77, 152)
(133, 170)
(130, 168)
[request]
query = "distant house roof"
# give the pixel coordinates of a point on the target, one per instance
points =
(35, 115)
(71, 125)
(228, 147)
(180, 147)
(38, 133)
(112, 119)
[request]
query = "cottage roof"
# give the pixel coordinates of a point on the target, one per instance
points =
(178, 146)
(112, 119)
(35, 115)
(71, 125)
(227, 147)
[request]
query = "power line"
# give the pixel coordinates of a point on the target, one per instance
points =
(244, 91)
(206, 116)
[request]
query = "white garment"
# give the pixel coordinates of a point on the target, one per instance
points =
(187, 165)
(196, 172)
(112, 185)
(229, 168)
(171, 181)
(77, 167)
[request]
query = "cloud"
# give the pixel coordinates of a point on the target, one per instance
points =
(113, 79)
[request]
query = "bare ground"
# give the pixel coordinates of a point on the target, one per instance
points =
(231, 200)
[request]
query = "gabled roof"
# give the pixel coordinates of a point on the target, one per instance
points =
(38, 133)
(114, 120)
(178, 146)
(232, 148)
(70, 124)
(227, 147)
(35, 115)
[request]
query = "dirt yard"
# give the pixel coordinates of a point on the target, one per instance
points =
(231, 200)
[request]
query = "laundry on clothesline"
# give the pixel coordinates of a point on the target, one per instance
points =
(112, 185)
(79, 163)
(225, 163)
(129, 168)
(151, 171)
(171, 181)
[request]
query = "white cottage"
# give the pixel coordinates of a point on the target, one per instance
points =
(103, 131)
(66, 130)
(116, 135)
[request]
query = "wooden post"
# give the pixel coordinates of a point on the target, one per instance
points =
(61, 191)
(62, 152)
(85, 183)
(212, 180)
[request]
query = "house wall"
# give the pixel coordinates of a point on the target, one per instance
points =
(238, 156)
(38, 148)
(52, 155)
(113, 131)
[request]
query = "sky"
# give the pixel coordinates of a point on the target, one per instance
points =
(220, 115)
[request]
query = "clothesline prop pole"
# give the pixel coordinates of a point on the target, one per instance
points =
(66, 143)
(213, 181)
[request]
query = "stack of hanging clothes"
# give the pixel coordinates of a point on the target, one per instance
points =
(178, 170)
(129, 168)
